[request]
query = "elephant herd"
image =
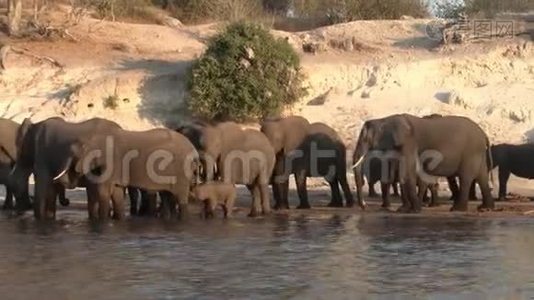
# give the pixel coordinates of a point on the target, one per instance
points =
(166, 167)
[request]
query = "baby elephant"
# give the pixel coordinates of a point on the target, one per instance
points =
(213, 193)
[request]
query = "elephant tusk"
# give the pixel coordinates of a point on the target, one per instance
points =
(358, 163)
(60, 175)
(67, 166)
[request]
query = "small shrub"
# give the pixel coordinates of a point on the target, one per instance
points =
(245, 74)
(111, 102)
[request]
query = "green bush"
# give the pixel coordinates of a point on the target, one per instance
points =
(245, 74)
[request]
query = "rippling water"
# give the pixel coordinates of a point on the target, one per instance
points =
(312, 256)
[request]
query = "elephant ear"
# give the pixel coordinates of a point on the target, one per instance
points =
(402, 133)
(86, 160)
(78, 153)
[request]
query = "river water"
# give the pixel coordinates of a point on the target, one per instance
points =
(325, 255)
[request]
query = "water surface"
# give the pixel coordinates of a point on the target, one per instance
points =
(299, 256)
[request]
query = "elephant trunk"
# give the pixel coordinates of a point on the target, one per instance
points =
(358, 157)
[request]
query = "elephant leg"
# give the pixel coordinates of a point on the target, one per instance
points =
(385, 195)
(277, 194)
(144, 207)
(92, 202)
(280, 182)
(51, 203)
(487, 199)
(117, 199)
(104, 198)
(412, 198)
(433, 195)
(181, 197)
(372, 190)
(422, 192)
(336, 200)
(265, 199)
(405, 207)
(228, 206)
(280, 192)
(133, 194)
(473, 191)
(453, 187)
(166, 205)
(42, 185)
(23, 200)
(8, 202)
(64, 201)
(461, 204)
(300, 178)
(256, 200)
(342, 178)
(285, 193)
(149, 204)
(504, 175)
(396, 191)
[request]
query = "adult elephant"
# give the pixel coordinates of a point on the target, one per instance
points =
(411, 138)
(285, 135)
(512, 159)
(154, 160)
(235, 155)
(211, 140)
(44, 148)
(322, 154)
(8, 157)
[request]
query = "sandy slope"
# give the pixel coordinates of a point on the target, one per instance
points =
(389, 67)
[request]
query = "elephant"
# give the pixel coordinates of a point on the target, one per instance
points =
(43, 149)
(8, 158)
(426, 144)
(211, 140)
(512, 159)
(216, 193)
(235, 155)
(321, 154)
(154, 160)
(285, 135)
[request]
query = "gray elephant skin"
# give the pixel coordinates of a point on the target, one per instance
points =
(285, 135)
(512, 159)
(464, 153)
(8, 158)
(307, 150)
(216, 193)
(44, 148)
(154, 160)
(235, 155)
